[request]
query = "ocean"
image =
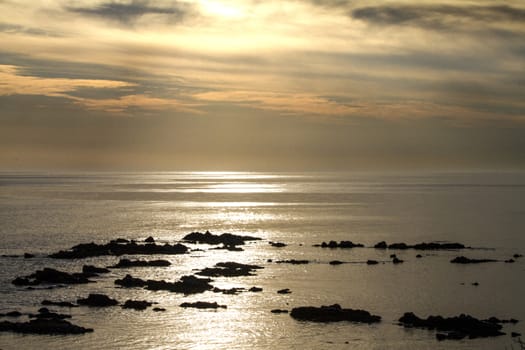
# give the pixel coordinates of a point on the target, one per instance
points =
(41, 213)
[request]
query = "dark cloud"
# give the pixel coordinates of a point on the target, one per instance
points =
(437, 16)
(127, 13)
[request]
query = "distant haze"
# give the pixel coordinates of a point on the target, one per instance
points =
(262, 85)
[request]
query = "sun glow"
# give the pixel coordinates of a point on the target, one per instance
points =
(221, 9)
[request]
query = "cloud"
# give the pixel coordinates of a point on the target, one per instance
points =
(437, 16)
(9, 28)
(13, 83)
(127, 13)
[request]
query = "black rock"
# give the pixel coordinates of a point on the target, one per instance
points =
(381, 245)
(149, 240)
(509, 261)
(98, 300)
(228, 291)
(28, 256)
(396, 260)
(279, 311)
(137, 304)
(255, 289)
(293, 262)
(336, 262)
(464, 260)
(515, 334)
(87, 250)
(186, 285)
(159, 309)
(126, 263)
(284, 291)
(46, 314)
(13, 314)
(419, 256)
(128, 281)
(203, 305)
(332, 313)
(227, 239)
(516, 256)
(43, 326)
(229, 269)
(90, 269)
(455, 327)
(231, 248)
(342, 244)
(50, 276)
(277, 244)
(372, 262)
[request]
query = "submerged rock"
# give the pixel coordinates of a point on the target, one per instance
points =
(372, 262)
(284, 291)
(98, 300)
(457, 327)
(465, 260)
(159, 309)
(87, 250)
(43, 326)
(125, 263)
(421, 246)
(255, 289)
(293, 262)
(51, 276)
(381, 245)
(336, 262)
(279, 311)
(278, 244)
(203, 305)
(227, 239)
(332, 313)
(58, 303)
(229, 269)
(90, 269)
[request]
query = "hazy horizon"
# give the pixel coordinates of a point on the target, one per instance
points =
(295, 85)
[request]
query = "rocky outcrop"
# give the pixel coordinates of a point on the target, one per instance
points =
(203, 305)
(93, 270)
(43, 326)
(255, 289)
(51, 276)
(97, 300)
(186, 284)
(277, 244)
(279, 311)
(137, 304)
(465, 260)
(126, 263)
(57, 303)
(342, 244)
(457, 327)
(284, 291)
(116, 248)
(293, 262)
(229, 269)
(421, 246)
(227, 239)
(332, 313)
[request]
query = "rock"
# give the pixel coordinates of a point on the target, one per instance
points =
(229, 269)
(128, 281)
(87, 250)
(120, 240)
(231, 248)
(293, 262)
(159, 309)
(516, 256)
(372, 262)
(28, 256)
(43, 326)
(497, 320)
(229, 291)
(475, 284)
(398, 246)
(255, 289)
(332, 313)
(203, 305)
(137, 304)
(392, 256)
(455, 327)
(90, 269)
(227, 239)
(284, 291)
(186, 284)
(336, 262)
(13, 314)
(279, 311)
(277, 244)
(149, 240)
(98, 300)
(396, 260)
(380, 245)
(419, 256)
(515, 334)
(126, 263)
(342, 244)
(46, 314)
(464, 260)
(58, 303)
(50, 276)
(509, 261)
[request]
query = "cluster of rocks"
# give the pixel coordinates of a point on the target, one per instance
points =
(226, 239)
(229, 269)
(342, 244)
(45, 322)
(457, 327)
(421, 246)
(52, 276)
(186, 285)
(333, 313)
(203, 305)
(465, 260)
(126, 263)
(117, 248)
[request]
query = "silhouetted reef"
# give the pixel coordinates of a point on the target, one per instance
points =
(333, 313)
(228, 239)
(229, 269)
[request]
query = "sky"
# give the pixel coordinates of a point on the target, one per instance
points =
(262, 85)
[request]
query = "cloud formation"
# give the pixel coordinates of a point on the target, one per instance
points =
(127, 13)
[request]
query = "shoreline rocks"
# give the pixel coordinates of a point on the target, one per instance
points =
(97, 300)
(229, 269)
(43, 326)
(457, 327)
(186, 284)
(333, 313)
(126, 263)
(421, 246)
(137, 304)
(227, 239)
(117, 248)
(51, 276)
(342, 244)
(465, 260)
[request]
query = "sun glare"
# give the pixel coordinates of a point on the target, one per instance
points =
(221, 9)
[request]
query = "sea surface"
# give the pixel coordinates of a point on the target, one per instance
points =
(41, 213)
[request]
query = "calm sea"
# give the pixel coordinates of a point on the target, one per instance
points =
(43, 213)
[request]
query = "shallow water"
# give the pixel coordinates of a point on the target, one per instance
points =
(43, 213)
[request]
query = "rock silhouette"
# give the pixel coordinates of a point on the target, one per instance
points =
(332, 313)
(227, 239)
(51, 276)
(203, 305)
(186, 284)
(465, 260)
(97, 300)
(125, 263)
(137, 304)
(229, 269)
